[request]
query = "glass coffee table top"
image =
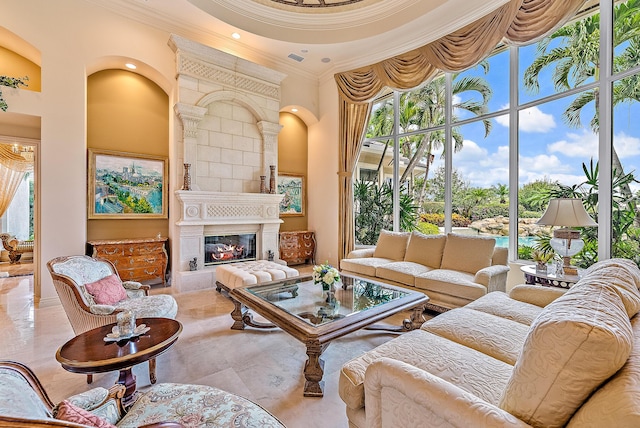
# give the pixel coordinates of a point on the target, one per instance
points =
(301, 308)
(307, 301)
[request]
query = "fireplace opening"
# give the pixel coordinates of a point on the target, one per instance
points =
(220, 249)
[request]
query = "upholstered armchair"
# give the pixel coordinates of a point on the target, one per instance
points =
(25, 403)
(73, 275)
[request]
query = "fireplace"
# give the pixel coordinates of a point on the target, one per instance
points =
(220, 249)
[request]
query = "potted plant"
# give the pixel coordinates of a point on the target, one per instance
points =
(11, 82)
(541, 258)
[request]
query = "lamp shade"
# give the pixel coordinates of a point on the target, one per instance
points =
(567, 212)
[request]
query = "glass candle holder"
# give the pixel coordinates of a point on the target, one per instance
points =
(126, 321)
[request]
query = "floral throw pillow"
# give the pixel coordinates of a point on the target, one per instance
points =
(70, 413)
(107, 291)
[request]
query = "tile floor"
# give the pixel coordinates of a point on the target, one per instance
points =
(264, 366)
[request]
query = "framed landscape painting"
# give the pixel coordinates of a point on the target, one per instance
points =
(292, 187)
(126, 185)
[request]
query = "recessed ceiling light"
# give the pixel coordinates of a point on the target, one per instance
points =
(326, 60)
(130, 66)
(304, 50)
(294, 110)
(235, 36)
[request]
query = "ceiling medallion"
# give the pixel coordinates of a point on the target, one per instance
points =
(316, 3)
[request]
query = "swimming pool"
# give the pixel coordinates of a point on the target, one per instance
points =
(503, 241)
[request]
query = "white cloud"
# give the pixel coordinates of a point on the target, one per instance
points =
(583, 145)
(626, 146)
(531, 120)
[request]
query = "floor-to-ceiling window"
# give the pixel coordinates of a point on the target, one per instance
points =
(483, 151)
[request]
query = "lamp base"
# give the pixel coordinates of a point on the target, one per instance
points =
(570, 270)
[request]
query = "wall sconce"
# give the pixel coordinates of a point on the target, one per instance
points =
(566, 212)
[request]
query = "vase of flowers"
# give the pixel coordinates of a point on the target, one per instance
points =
(541, 258)
(327, 276)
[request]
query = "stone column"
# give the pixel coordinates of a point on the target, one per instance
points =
(190, 116)
(269, 131)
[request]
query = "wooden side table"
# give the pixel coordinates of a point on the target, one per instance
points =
(88, 353)
(532, 276)
(298, 247)
(135, 259)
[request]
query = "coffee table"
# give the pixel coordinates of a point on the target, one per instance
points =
(309, 318)
(88, 353)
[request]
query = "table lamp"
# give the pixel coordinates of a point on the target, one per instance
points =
(566, 212)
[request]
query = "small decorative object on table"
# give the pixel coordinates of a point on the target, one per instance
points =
(186, 185)
(541, 258)
(328, 276)
(193, 264)
(125, 327)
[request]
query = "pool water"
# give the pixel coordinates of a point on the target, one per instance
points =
(503, 241)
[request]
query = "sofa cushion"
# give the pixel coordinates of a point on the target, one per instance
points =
(425, 249)
(467, 368)
(615, 404)
(107, 290)
(574, 345)
(497, 337)
(67, 412)
(455, 283)
(366, 266)
(623, 274)
(499, 304)
(402, 272)
(391, 245)
(467, 253)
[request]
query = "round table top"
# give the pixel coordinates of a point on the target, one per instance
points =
(89, 353)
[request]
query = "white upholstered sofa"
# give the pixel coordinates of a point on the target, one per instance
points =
(451, 269)
(538, 357)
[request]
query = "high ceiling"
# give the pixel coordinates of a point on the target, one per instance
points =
(311, 37)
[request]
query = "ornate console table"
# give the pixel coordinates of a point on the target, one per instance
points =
(135, 259)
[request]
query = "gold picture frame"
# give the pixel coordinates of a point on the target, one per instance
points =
(124, 185)
(292, 186)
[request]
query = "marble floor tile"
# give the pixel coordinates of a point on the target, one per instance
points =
(263, 366)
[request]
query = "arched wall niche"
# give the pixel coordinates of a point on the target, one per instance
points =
(126, 112)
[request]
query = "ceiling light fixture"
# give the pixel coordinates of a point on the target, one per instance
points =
(130, 66)
(294, 110)
(235, 35)
(325, 60)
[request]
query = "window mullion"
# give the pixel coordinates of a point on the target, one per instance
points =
(448, 153)
(514, 164)
(605, 135)
(396, 161)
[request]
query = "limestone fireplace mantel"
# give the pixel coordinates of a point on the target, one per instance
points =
(204, 213)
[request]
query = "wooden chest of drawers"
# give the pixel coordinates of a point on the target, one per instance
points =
(135, 259)
(298, 247)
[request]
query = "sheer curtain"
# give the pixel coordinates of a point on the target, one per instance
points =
(13, 168)
(517, 22)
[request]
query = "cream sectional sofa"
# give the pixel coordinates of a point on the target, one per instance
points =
(539, 357)
(451, 269)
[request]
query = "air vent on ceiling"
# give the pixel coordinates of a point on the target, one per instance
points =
(295, 57)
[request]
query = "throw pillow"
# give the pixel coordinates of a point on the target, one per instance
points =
(70, 413)
(576, 343)
(425, 249)
(467, 253)
(391, 245)
(107, 291)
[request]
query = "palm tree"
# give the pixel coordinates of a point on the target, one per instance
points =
(577, 59)
(501, 191)
(423, 109)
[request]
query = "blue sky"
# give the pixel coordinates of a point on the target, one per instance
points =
(548, 147)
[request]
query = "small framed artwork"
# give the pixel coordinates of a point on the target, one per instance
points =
(126, 185)
(292, 187)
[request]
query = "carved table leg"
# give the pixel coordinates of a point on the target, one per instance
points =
(152, 371)
(128, 379)
(417, 318)
(238, 315)
(314, 369)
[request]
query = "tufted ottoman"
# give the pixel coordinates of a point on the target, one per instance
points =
(234, 275)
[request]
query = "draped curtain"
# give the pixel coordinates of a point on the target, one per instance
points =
(517, 22)
(13, 168)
